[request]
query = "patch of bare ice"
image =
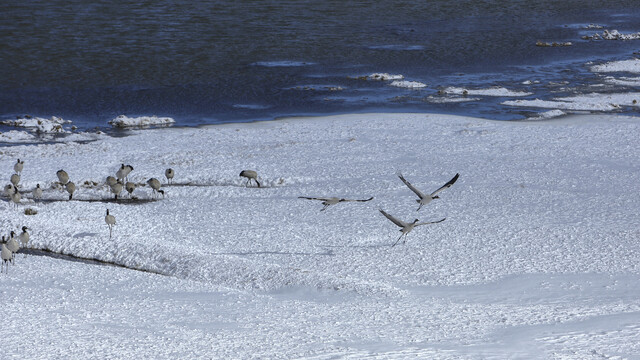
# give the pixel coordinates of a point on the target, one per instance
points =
(493, 91)
(123, 121)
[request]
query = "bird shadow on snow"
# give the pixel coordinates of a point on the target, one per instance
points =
(134, 201)
(67, 257)
(363, 246)
(247, 253)
(233, 183)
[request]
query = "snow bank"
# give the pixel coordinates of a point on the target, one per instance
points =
(41, 125)
(141, 121)
(493, 91)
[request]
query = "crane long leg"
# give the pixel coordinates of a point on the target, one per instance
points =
(394, 244)
(419, 207)
(324, 208)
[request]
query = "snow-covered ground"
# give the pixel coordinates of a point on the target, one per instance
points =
(539, 256)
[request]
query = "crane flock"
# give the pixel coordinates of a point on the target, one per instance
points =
(9, 245)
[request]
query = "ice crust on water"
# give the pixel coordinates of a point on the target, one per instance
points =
(526, 263)
(141, 121)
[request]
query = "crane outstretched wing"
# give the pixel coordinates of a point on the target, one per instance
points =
(447, 185)
(394, 220)
(430, 222)
(413, 188)
(364, 200)
(313, 198)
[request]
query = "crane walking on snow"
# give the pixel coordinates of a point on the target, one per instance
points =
(250, 175)
(111, 221)
(6, 255)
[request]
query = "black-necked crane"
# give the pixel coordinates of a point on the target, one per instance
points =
(13, 246)
(116, 189)
(111, 221)
(63, 177)
(130, 187)
(169, 173)
(18, 166)
(6, 255)
(15, 179)
(405, 226)
(123, 172)
(155, 185)
(24, 238)
(332, 200)
(15, 198)
(426, 198)
(250, 175)
(9, 190)
(71, 188)
(111, 180)
(37, 193)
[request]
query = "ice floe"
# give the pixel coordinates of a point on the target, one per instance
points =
(382, 77)
(123, 121)
(585, 102)
(623, 81)
(450, 99)
(553, 44)
(408, 84)
(493, 91)
(630, 66)
(612, 35)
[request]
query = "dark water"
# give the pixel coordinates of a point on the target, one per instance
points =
(216, 61)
